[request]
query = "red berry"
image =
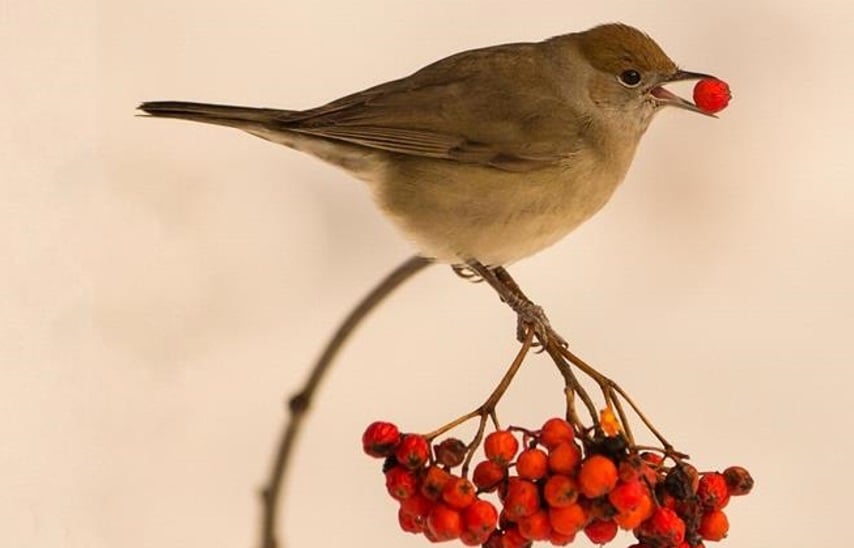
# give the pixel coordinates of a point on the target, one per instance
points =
(568, 520)
(413, 451)
(631, 519)
(513, 538)
(459, 493)
(417, 506)
(500, 447)
(400, 483)
(480, 517)
(627, 495)
(597, 476)
(487, 475)
(380, 439)
(522, 499)
(409, 523)
(536, 526)
(738, 481)
(555, 431)
(532, 464)
(712, 95)
(601, 531)
(559, 539)
(712, 491)
(564, 458)
(470, 538)
(444, 522)
(663, 528)
(560, 491)
(433, 482)
(713, 525)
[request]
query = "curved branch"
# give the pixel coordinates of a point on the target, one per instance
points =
(300, 402)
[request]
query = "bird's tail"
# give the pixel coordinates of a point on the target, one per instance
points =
(246, 118)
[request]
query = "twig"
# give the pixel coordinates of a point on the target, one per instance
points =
(299, 404)
(487, 409)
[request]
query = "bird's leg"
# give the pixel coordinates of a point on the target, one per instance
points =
(466, 272)
(528, 313)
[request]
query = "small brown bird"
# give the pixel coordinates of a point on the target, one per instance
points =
(489, 155)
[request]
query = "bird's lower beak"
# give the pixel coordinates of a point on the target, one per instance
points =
(666, 97)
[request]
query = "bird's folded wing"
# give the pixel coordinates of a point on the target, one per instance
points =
(480, 107)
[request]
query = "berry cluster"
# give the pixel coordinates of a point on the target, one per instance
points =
(559, 485)
(433, 501)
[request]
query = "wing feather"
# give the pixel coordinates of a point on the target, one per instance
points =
(497, 107)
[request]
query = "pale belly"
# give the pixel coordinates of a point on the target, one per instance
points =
(496, 217)
(456, 212)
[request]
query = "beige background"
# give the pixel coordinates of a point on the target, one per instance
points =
(164, 285)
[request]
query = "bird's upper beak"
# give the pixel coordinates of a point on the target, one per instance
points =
(665, 97)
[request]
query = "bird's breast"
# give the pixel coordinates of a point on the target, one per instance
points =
(455, 212)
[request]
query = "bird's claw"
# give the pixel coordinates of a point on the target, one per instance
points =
(532, 316)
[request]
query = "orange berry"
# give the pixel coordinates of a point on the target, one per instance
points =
(559, 539)
(536, 526)
(597, 477)
(568, 520)
(564, 458)
(444, 522)
(380, 439)
(480, 517)
(459, 493)
(532, 464)
(400, 483)
(601, 531)
(633, 466)
(632, 518)
(412, 451)
(627, 495)
(500, 447)
(712, 491)
(433, 482)
(560, 491)
(608, 421)
(555, 431)
(522, 499)
(488, 475)
(663, 528)
(714, 525)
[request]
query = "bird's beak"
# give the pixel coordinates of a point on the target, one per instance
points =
(664, 97)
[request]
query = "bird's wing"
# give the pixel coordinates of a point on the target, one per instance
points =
(498, 107)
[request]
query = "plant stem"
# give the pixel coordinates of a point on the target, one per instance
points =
(300, 402)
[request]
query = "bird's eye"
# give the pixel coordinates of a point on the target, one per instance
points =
(629, 78)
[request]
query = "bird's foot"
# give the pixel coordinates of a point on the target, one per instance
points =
(532, 316)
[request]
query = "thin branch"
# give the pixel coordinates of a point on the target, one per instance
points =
(299, 404)
(487, 409)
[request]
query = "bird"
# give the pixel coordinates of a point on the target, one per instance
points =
(489, 155)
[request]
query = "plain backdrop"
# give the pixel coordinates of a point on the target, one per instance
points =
(165, 285)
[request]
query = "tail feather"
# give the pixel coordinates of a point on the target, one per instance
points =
(225, 115)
